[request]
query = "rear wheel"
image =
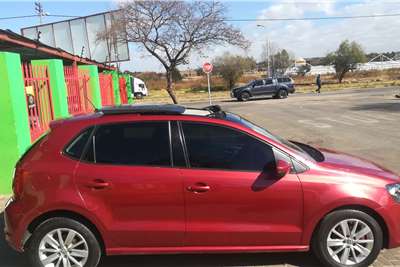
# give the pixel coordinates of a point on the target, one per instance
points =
(348, 238)
(63, 242)
(244, 96)
(282, 93)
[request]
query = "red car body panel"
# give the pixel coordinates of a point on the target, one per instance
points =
(240, 212)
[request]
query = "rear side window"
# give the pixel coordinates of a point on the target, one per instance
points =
(259, 82)
(77, 145)
(269, 81)
(217, 147)
(142, 143)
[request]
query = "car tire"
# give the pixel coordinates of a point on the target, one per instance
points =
(244, 96)
(282, 94)
(138, 95)
(42, 248)
(334, 255)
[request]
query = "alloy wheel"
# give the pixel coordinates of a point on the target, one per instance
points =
(350, 242)
(63, 248)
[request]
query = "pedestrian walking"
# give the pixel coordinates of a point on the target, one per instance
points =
(318, 82)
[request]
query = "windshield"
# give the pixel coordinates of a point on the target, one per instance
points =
(260, 130)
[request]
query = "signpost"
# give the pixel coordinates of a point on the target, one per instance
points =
(207, 68)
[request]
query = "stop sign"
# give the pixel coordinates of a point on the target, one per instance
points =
(207, 67)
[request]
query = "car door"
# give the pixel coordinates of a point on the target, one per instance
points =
(258, 87)
(232, 196)
(127, 181)
(270, 86)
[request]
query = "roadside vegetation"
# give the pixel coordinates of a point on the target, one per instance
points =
(194, 88)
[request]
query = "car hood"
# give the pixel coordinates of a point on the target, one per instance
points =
(239, 88)
(351, 164)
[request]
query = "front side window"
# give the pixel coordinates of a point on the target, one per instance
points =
(218, 147)
(142, 143)
(268, 81)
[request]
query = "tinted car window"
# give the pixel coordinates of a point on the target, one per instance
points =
(268, 81)
(217, 147)
(258, 83)
(77, 145)
(145, 143)
(281, 80)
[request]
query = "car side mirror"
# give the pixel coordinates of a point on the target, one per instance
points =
(282, 168)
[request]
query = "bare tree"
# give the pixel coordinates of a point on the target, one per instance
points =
(232, 67)
(171, 30)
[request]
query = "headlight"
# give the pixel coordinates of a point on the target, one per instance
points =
(394, 191)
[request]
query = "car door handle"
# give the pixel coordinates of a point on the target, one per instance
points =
(199, 188)
(98, 184)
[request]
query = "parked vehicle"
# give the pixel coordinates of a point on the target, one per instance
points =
(279, 87)
(170, 179)
(138, 89)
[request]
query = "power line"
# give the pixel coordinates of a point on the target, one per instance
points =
(319, 18)
(33, 16)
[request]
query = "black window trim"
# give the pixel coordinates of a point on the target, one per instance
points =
(71, 140)
(93, 136)
(273, 147)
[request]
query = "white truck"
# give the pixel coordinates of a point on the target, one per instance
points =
(138, 88)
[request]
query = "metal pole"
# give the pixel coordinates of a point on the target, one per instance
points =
(209, 89)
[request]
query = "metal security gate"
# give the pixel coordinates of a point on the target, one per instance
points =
(122, 91)
(106, 89)
(79, 96)
(38, 96)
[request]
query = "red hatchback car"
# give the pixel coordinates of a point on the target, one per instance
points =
(170, 179)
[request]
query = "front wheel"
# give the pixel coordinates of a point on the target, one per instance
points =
(138, 95)
(348, 238)
(63, 242)
(244, 96)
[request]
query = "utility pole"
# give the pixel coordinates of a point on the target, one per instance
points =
(40, 11)
(268, 56)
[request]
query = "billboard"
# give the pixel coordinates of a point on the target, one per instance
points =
(79, 36)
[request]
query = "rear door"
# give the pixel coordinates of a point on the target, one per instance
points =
(270, 86)
(258, 87)
(127, 180)
(231, 193)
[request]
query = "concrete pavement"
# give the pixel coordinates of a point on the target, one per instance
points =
(364, 123)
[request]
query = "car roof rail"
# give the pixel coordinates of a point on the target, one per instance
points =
(166, 109)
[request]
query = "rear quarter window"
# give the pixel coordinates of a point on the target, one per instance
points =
(76, 147)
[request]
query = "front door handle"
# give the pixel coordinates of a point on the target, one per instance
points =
(199, 188)
(98, 184)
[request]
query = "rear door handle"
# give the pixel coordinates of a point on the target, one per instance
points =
(199, 188)
(98, 184)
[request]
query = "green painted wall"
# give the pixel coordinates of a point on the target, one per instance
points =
(128, 88)
(117, 95)
(59, 91)
(15, 132)
(94, 84)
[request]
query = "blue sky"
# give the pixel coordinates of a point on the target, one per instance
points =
(301, 38)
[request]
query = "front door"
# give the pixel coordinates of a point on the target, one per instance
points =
(126, 179)
(232, 196)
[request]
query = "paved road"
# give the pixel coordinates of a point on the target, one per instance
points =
(364, 123)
